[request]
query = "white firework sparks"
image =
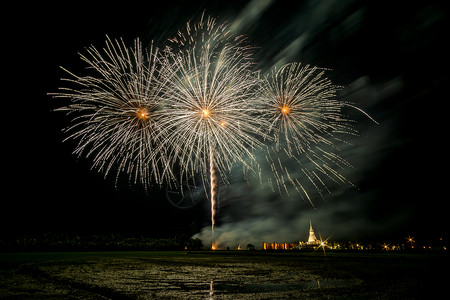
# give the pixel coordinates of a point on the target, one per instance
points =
(306, 120)
(209, 101)
(302, 107)
(210, 112)
(116, 112)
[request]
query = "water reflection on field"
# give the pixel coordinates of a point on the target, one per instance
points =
(218, 275)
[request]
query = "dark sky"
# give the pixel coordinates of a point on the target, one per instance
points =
(391, 58)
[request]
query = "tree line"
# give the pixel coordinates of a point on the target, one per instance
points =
(97, 242)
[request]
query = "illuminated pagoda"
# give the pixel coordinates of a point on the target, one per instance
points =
(312, 240)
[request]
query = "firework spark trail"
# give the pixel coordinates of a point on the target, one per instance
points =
(116, 111)
(214, 186)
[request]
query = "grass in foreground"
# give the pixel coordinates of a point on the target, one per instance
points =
(220, 274)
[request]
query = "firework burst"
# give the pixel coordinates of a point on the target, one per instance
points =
(302, 108)
(306, 120)
(116, 112)
(209, 108)
(209, 104)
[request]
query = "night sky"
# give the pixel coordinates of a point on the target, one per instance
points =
(391, 59)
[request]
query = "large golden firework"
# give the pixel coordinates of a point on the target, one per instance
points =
(115, 112)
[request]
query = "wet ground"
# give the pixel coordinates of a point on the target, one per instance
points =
(221, 275)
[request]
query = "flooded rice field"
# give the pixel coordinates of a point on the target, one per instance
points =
(220, 275)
